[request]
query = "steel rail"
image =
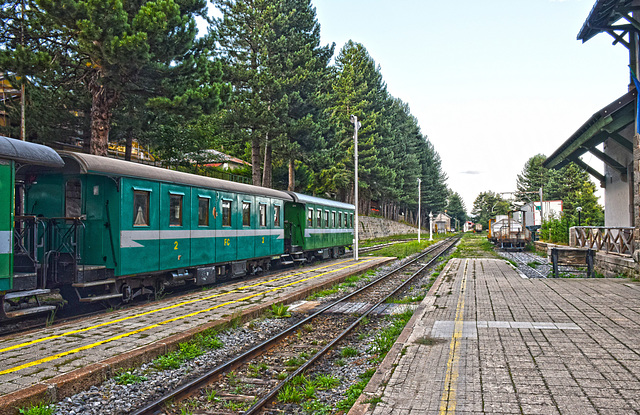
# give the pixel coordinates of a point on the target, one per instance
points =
(186, 389)
(265, 399)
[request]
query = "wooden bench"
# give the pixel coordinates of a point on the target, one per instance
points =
(575, 257)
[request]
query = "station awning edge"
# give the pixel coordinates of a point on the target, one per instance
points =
(604, 124)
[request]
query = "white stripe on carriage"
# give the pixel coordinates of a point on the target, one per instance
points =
(5, 242)
(128, 238)
(309, 232)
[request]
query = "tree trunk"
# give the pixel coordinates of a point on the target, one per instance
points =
(292, 176)
(127, 148)
(266, 173)
(255, 161)
(102, 101)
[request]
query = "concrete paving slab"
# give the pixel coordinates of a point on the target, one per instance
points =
(541, 346)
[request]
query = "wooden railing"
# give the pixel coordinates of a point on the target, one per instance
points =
(609, 239)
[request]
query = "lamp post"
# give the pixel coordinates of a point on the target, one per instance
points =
(579, 209)
(431, 226)
(356, 127)
(419, 201)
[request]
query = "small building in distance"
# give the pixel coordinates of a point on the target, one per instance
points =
(224, 161)
(442, 223)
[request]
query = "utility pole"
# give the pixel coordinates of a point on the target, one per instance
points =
(356, 126)
(419, 201)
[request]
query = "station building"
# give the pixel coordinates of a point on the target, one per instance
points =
(611, 135)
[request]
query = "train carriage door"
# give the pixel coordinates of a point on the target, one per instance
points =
(96, 235)
(277, 225)
(263, 227)
(6, 224)
(175, 219)
(202, 229)
(226, 227)
(247, 238)
(139, 227)
(333, 234)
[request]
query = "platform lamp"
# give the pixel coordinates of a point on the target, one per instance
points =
(356, 127)
(419, 200)
(579, 209)
(431, 226)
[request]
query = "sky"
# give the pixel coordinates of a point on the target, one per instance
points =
(491, 82)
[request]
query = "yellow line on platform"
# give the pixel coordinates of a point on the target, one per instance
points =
(146, 313)
(92, 345)
(101, 342)
(448, 400)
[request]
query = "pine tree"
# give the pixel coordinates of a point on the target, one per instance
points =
(276, 65)
(570, 184)
(111, 48)
(456, 208)
(357, 89)
(488, 205)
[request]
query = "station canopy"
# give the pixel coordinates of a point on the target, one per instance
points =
(604, 15)
(604, 124)
(615, 18)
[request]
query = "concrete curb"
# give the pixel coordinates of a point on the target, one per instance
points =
(68, 384)
(377, 383)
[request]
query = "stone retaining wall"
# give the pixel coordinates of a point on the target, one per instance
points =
(371, 227)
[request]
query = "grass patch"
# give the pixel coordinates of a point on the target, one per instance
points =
(128, 378)
(355, 391)
(383, 341)
(324, 293)
(349, 352)
(189, 350)
(38, 409)
(475, 246)
(280, 311)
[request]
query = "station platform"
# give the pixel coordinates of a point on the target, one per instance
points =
(487, 340)
(50, 364)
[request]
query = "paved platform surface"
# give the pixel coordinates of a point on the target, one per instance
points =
(56, 362)
(491, 341)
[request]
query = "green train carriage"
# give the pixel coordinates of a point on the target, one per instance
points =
(133, 229)
(319, 228)
(16, 282)
(106, 230)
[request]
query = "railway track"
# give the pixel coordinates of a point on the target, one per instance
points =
(268, 369)
(62, 315)
(524, 260)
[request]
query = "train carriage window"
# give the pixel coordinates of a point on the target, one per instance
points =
(246, 214)
(339, 219)
(276, 216)
(203, 211)
(73, 199)
(140, 208)
(326, 218)
(263, 214)
(333, 219)
(351, 219)
(319, 218)
(346, 220)
(226, 213)
(310, 217)
(175, 210)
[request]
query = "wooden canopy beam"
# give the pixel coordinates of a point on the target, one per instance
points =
(626, 144)
(591, 171)
(611, 162)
